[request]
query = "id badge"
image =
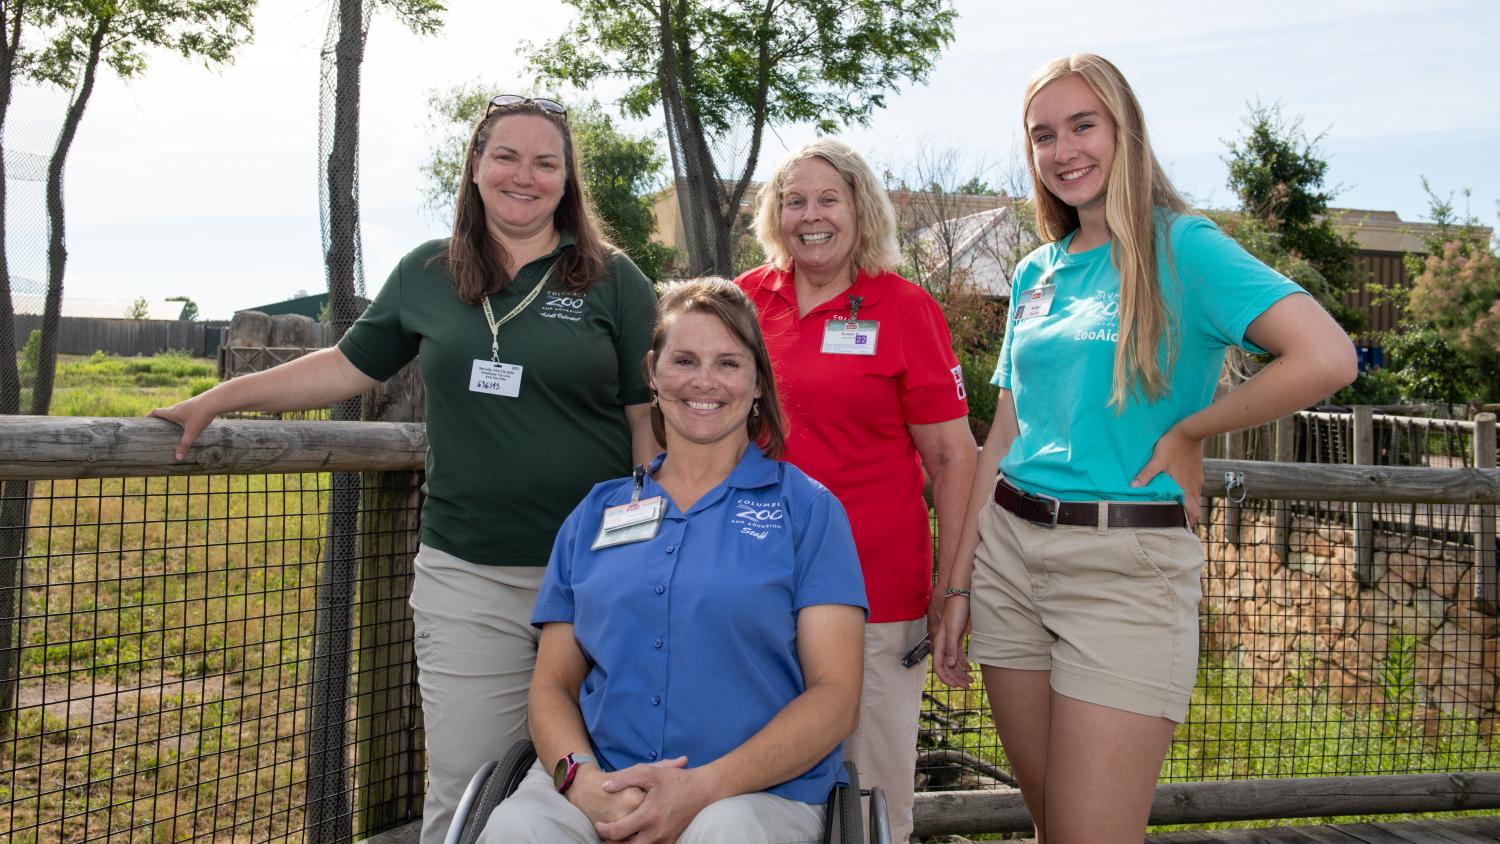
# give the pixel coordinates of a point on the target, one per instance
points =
(633, 522)
(850, 337)
(497, 379)
(1036, 302)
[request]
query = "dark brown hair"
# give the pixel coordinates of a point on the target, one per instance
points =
(477, 260)
(723, 299)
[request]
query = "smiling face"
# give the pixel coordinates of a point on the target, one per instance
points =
(520, 175)
(1072, 140)
(705, 380)
(818, 222)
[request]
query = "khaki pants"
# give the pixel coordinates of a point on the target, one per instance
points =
(884, 746)
(475, 652)
(537, 814)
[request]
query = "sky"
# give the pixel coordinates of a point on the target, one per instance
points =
(198, 182)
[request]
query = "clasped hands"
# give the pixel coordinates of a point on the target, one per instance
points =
(643, 804)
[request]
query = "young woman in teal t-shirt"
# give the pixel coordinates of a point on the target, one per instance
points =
(1078, 568)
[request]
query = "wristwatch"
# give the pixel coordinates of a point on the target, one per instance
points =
(567, 769)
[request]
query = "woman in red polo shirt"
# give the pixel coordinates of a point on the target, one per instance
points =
(873, 393)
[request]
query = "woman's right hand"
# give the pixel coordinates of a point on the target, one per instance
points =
(192, 415)
(949, 659)
(598, 805)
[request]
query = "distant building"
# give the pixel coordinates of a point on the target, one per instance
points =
(308, 306)
(105, 308)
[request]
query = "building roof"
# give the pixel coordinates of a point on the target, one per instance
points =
(1385, 231)
(104, 308)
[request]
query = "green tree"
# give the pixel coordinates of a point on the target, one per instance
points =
(1456, 292)
(189, 307)
(620, 171)
(1278, 173)
(65, 43)
(723, 70)
(139, 309)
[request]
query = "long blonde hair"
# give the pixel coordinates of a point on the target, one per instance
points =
(1136, 188)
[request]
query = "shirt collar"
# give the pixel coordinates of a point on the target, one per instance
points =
(755, 470)
(864, 286)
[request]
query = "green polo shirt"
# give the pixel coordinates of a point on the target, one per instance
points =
(502, 472)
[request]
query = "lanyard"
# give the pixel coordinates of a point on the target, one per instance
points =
(489, 315)
(639, 473)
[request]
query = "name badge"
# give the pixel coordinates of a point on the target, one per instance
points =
(633, 522)
(497, 379)
(850, 337)
(1036, 302)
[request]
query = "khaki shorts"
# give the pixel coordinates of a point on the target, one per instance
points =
(1112, 613)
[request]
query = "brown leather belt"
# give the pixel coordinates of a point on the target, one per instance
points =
(1048, 511)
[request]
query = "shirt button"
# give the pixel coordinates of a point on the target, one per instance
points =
(655, 701)
(660, 588)
(671, 548)
(657, 644)
(652, 755)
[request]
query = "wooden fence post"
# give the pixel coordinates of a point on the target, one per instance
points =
(1485, 578)
(1234, 449)
(1364, 512)
(15, 501)
(1281, 536)
(389, 756)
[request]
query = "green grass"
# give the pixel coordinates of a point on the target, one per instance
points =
(109, 385)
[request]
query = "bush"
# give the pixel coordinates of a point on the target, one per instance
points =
(1373, 386)
(31, 355)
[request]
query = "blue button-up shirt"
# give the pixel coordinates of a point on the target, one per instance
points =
(691, 636)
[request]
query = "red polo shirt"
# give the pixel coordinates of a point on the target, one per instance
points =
(847, 416)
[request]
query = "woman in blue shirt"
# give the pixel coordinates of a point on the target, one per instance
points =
(702, 622)
(1083, 568)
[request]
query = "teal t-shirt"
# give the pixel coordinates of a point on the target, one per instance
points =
(504, 471)
(1059, 366)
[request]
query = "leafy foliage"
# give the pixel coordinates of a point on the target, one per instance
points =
(1456, 291)
(1278, 173)
(139, 309)
(189, 307)
(619, 170)
(762, 64)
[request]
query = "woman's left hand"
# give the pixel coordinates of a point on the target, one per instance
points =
(1181, 457)
(675, 794)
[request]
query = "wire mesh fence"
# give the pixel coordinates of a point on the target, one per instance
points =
(165, 662)
(165, 652)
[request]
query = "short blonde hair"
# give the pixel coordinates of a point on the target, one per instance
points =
(875, 246)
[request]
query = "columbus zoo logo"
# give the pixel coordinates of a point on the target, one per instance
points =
(757, 518)
(563, 306)
(1098, 318)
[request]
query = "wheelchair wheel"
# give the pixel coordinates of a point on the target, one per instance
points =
(501, 783)
(851, 825)
(880, 817)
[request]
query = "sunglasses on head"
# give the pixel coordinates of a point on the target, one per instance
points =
(507, 100)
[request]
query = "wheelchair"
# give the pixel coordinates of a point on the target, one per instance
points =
(497, 780)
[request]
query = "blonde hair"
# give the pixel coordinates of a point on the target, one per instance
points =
(1136, 187)
(875, 246)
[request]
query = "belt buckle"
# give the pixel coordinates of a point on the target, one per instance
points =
(1053, 505)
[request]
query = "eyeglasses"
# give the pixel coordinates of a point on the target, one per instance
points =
(507, 100)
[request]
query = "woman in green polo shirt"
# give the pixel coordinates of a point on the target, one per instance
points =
(529, 329)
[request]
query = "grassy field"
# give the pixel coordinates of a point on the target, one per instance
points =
(108, 385)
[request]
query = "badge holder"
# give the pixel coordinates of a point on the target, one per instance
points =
(636, 521)
(852, 336)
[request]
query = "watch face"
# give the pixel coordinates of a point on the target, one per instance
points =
(560, 771)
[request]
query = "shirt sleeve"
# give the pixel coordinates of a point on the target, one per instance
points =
(1226, 287)
(1001, 377)
(635, 314)
(932, 382)
(379, 344)
(827, 566)
(554, 598)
